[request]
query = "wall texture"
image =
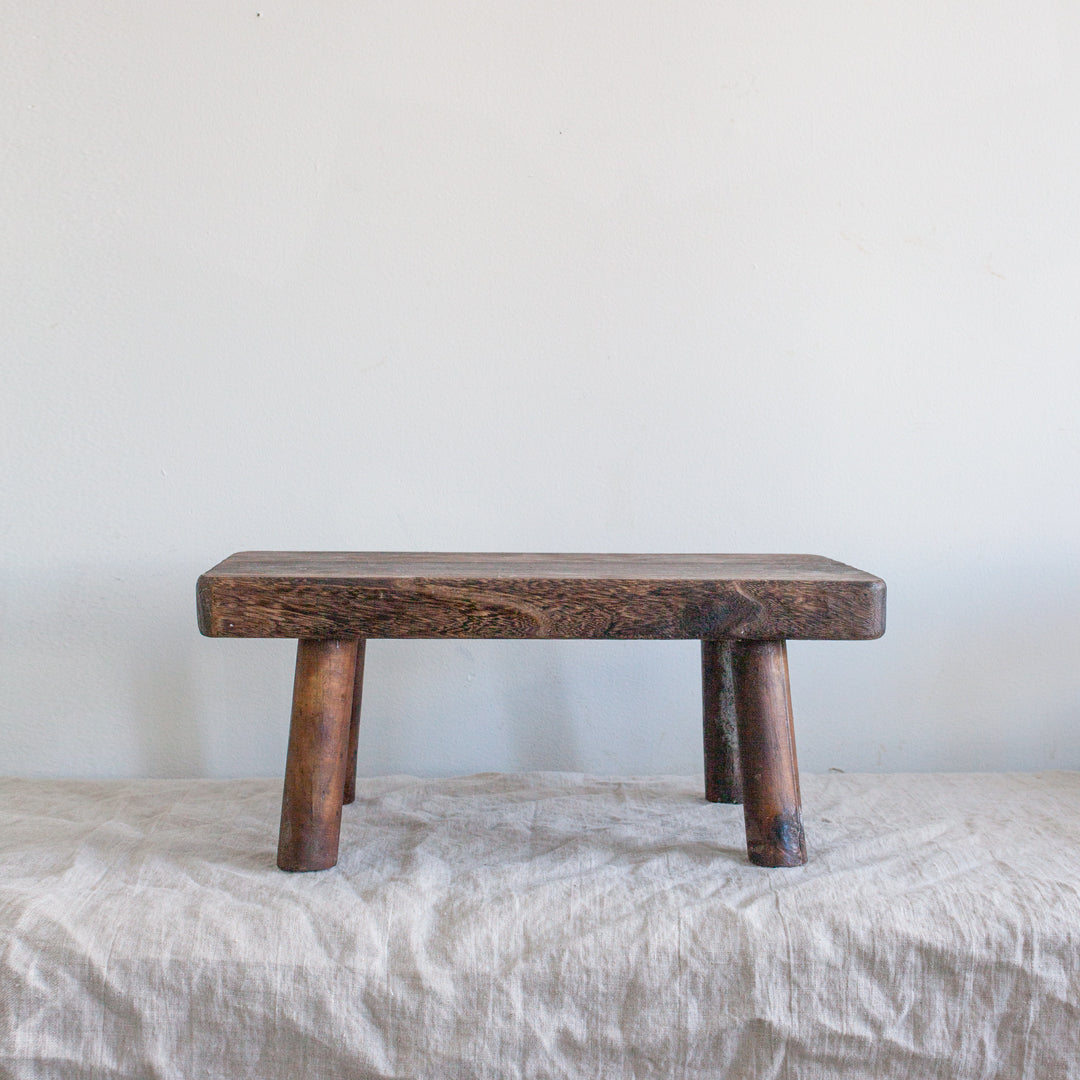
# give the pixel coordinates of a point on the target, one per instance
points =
(538, 276)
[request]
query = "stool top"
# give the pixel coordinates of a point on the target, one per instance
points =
(499, 595)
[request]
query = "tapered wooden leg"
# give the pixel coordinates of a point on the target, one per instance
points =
(772, 804)
(354, 725)
(318, 746)
(723, 781)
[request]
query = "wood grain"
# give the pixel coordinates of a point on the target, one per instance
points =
(772, 804)
(407, 595)
(349, 794)
(723, 778)
(741, 608)
(315, 764)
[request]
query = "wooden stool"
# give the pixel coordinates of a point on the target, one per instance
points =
(742, 608)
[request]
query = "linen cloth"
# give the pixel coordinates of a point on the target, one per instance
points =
(542, 925)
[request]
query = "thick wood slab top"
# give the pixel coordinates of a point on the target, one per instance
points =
(492, 566)
(432, 595)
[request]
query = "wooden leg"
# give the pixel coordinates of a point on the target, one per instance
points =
(354, 725)
(723, 782)
(318, 744)
(770, 773)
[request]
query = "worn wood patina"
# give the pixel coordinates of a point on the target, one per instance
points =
(743, 608)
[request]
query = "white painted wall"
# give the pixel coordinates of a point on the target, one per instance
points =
(582, 276)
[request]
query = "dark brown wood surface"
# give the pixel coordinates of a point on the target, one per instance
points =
(316, 760)
(772, 804)
(723, 779)
(349, 794)
(415, 595)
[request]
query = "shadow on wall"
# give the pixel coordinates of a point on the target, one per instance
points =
(104, 674)
(107, 676)
(976, 672)
(441, 708)
(445, 708)
(548, 740)
(98, 680)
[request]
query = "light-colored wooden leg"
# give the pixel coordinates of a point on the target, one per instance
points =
(318, 746)
(723, 782)
(354, 725)
(772, 803)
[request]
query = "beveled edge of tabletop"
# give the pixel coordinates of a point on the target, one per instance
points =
(494, 566)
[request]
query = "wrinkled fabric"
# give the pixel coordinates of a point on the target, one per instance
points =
(542, 925)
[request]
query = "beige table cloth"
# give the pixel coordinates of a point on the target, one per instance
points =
(542, 925)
